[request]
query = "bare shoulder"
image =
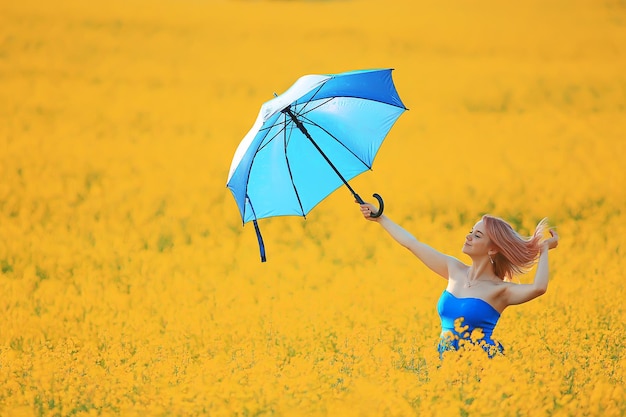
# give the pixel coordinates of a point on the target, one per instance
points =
(457, 270)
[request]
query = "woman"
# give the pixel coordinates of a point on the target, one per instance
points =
(477, 294)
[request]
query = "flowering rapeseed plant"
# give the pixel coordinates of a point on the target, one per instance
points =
(130, 288)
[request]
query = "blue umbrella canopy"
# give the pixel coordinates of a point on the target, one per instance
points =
(307, 142)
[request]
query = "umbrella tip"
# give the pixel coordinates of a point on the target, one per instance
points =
(275, 95)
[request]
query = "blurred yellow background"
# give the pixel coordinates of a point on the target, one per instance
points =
(129, 285)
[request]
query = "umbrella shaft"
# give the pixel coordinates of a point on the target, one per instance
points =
(306, 133)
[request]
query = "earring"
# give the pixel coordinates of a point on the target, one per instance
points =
(490, 258)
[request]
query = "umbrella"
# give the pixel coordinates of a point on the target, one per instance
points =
(312, 139)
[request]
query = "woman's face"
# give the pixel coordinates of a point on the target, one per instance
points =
(477, 242)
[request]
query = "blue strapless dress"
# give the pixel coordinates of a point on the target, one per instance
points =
(467, 320)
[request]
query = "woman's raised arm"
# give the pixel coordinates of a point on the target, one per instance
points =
(433, 259)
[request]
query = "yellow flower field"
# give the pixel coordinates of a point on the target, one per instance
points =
(129, 286)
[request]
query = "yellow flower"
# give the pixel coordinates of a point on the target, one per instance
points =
(129, 286)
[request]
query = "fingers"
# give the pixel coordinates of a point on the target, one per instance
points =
(367, 210)
(554, 234)
(553, 241)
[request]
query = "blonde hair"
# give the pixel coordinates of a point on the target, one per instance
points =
(516, 254)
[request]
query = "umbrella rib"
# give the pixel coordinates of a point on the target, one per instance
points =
(260, 148)
(268, 141)
(318, 89)
(295, 189)
(322, 103)
(310, 100)
(309, 121)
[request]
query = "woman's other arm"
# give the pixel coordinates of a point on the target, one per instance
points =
(521, 293)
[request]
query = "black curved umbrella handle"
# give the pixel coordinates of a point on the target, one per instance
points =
(381, 204)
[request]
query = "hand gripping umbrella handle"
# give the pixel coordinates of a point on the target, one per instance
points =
(381, 204)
